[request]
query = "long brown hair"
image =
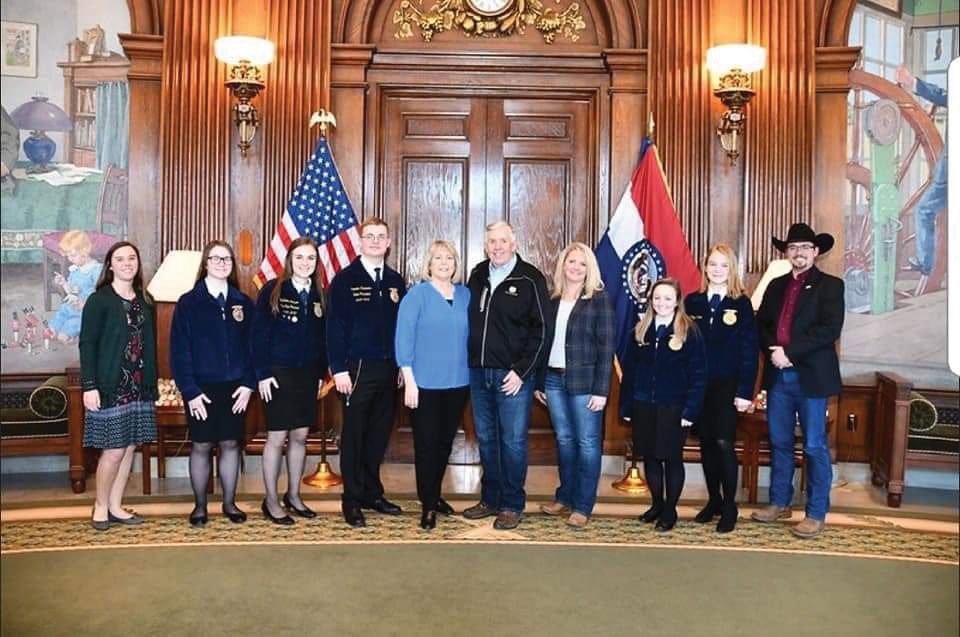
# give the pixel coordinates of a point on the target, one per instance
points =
(287, 273)
(202, 270)
(682, 324)
(734, 285)
(106, 274)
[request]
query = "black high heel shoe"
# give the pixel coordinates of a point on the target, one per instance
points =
(707, 513)
(428, 520)
(198, 521)
(237, 517)
(305, 512)
(652, 514)
(285, 520)
(444, 507)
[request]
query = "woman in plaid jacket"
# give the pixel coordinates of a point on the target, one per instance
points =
(577, 379)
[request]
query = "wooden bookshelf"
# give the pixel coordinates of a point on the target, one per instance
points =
(80, 81)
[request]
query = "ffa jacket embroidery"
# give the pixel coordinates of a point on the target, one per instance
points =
(730, 317)
(318, 310)
(237, 312)
(361, 293)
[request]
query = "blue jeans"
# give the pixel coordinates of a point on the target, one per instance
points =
(578, 445)
(932, 203)
(502, 422)
(785, 402)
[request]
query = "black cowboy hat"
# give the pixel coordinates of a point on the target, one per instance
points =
(801, 232)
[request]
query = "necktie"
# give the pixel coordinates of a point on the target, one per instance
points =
(714, 302)
(376, 280)
(661, 330)
(222, 301)
(304, 298)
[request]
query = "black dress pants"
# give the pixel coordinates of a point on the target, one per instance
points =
(435, 422)
(367, 420)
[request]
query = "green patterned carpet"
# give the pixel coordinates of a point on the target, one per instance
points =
(886, 541)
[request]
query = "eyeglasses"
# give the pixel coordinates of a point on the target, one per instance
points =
(798, 247)
(219, 260)
(374, 237)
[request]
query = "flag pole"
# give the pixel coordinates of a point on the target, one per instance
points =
(324, 477)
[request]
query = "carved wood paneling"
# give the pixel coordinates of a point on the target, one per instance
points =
(538, 204)
(194, 126)
(779, 150)
(680, 94)
(298, 83)
(434, 207)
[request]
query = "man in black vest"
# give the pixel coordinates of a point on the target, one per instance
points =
(799, 321)
(361, 321)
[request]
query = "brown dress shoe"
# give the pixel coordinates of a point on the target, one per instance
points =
(507, 520)
(555, 508)
(808, 528)
(577, 520)
(772, 513)
(478, 510)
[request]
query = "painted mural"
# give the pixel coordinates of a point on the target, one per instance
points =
(895, 248)
(63, 177)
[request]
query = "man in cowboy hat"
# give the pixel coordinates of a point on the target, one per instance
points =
(799, 321)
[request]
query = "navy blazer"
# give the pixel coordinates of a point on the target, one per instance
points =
(663, 375)
(589, 346)
(208, 345)
(731, 339)
(293, 337)
(362, 321)
(817, 323)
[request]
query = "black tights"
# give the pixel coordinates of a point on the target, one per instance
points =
(200, 474)
(655, 471)
(296, 440)
(719, 460)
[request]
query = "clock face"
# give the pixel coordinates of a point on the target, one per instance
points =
(489, 7)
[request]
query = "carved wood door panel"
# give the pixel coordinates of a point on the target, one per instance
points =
(452, 164)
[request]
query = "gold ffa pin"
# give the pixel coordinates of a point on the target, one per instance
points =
(237, 312)
(318, 309)
(395, 295)
(675, 343)
(730, 317)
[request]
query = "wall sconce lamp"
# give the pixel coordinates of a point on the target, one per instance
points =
(732, 64)
(244, 55)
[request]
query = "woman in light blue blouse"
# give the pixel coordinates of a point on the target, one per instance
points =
(431, 348)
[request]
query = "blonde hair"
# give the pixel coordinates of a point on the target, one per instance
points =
(734, 285)
(449, 247)
(591, 284)
(77, 241)
(682, 324)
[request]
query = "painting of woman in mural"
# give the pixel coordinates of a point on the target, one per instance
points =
(84, 270)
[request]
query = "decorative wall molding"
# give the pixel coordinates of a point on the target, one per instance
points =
(489, 19)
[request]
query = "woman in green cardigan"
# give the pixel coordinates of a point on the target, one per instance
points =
(118, 360)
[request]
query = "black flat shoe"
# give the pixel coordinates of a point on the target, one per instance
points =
(444, 507)
(305, 512)
(286, 520)
(237, 517)
(382, 505)
(652, 514)
(728, 521)
(134, 519)
(666, 522)
(198, 521)
(428, 520)
(354, 517)
(707, 513)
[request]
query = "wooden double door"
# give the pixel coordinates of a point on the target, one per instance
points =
(451, 164)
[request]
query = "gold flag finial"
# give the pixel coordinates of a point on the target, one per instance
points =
(324, 118)
(650, 126)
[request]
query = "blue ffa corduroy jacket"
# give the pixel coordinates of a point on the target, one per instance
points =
(662, 375)
(210, 346)
(731, 339)
(361, 320)
(293, 337)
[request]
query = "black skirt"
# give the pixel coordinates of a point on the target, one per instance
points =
(657, 433)
(294, 403)
(221, 422)
(718, 418)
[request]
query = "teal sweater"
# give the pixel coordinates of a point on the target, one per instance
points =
(103, 339)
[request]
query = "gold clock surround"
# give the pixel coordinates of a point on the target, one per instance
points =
(514, 17)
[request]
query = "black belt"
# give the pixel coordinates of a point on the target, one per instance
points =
(556, 370)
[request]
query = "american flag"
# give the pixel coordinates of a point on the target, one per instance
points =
(318, 208)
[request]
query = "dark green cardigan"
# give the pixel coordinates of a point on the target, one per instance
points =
(103, 339)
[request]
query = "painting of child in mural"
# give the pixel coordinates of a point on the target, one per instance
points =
(77, 286)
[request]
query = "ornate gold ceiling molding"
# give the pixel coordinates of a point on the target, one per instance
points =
(488, 18)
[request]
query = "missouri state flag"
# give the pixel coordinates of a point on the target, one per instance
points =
(643, 243)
